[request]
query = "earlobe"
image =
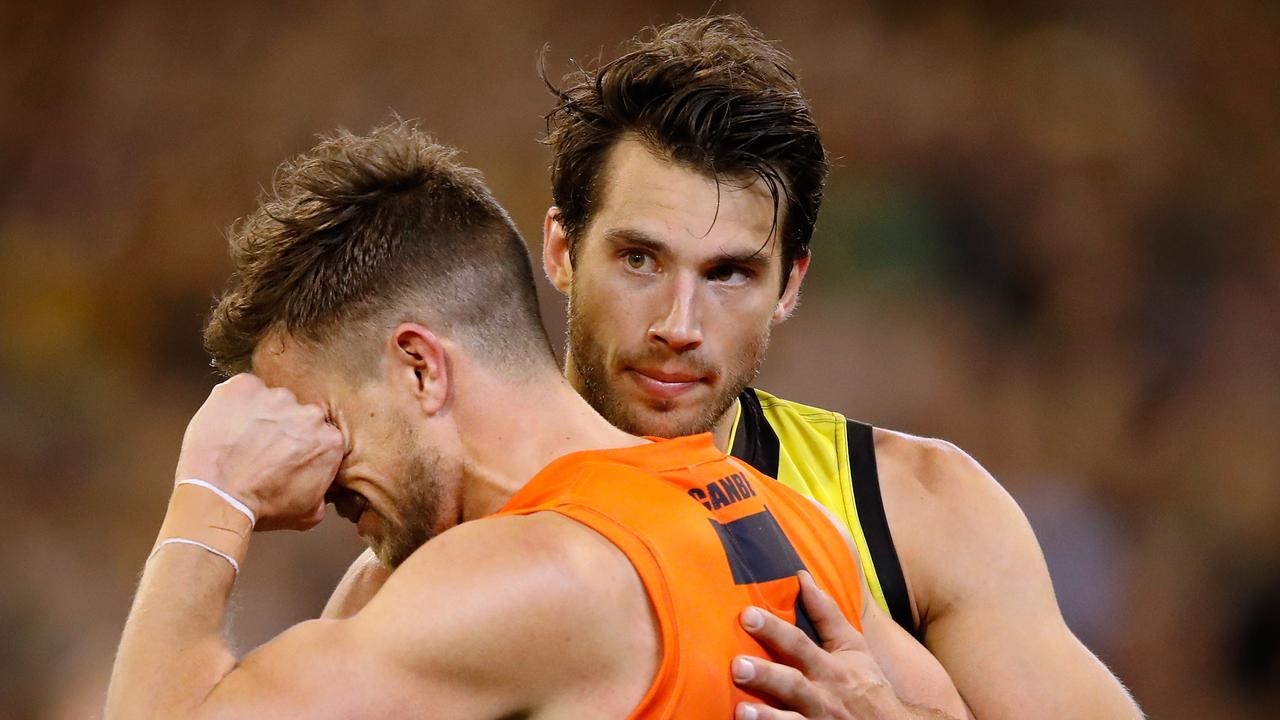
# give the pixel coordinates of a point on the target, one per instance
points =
(555, 251)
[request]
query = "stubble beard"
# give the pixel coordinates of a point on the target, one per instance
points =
(418, 511)
(658, 419)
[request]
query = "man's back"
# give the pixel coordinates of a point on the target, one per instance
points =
(707, 536)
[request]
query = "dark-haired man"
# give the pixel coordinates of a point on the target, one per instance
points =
(385, 305)
(669, 320)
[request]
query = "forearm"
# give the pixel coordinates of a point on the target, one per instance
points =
(172, 652)
(1040, 674)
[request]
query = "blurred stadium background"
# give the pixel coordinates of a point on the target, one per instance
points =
(1053, 238)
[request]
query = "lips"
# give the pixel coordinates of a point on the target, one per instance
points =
(665, 384)
(349, 504)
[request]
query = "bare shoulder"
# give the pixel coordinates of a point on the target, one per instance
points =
(502, 617)
(358, 585)
(928, 465)
(958, 532)
(540, 588)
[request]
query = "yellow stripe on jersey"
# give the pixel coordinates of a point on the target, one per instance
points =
(813, 459)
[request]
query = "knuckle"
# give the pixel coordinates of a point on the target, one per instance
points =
(789, 637)
(331, 438)
(793, 681)
(780, 680)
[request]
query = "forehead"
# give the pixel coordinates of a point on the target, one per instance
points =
(645, 194)
(281, 361)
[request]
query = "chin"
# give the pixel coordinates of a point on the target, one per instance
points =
(670, 425)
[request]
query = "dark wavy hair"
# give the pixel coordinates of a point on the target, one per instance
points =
(710, 93)
(365, 231)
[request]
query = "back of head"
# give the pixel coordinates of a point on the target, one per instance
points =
(363, 232)
(710, 93)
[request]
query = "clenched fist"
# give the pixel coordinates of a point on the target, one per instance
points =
(262, 446)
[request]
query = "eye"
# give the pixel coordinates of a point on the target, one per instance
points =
(637, 260)
(729, 274)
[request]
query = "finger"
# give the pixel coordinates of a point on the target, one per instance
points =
(283, 396)
(781, 683)
(755, 711)
(317, 516)
(782, 639)
(834, 629)
(333, 444)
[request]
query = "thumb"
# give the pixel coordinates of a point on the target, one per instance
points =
(835, 631)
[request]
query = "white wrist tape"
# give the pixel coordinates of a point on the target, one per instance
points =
(188, 541)
(232, 501)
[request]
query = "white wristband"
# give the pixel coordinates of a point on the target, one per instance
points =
(233, 502)
(188, 541)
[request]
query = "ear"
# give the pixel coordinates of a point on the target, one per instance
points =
(791, 293)
(555, 251)
(418, 362)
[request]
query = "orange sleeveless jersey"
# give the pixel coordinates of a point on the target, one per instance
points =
(708, 535)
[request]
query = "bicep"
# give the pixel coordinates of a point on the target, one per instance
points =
(317, 669)
(403, 651)
(1000, 633)
(437, 638)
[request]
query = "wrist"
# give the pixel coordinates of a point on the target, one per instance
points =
(197, 514)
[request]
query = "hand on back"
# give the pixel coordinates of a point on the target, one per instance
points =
(839, 680)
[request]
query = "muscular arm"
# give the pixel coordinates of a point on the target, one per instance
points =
(439, 636)
(983, 591)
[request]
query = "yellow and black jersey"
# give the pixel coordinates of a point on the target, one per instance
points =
(833, 460)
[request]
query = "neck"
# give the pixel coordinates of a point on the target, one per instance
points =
(722, 431)
(525, 426)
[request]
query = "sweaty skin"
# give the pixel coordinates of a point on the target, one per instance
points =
(674, 279)
(441, 632)
(542, 588)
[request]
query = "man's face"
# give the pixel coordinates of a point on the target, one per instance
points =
(389, 480)
(672, 294)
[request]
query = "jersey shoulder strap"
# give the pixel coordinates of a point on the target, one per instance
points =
(831, 459)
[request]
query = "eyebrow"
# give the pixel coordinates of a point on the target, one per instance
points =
(632, 236)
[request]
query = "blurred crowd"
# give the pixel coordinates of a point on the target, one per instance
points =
(1052, 237)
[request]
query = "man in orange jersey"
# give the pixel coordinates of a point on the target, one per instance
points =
(385, 306)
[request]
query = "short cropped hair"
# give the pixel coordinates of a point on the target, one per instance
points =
(363, 232)
(710, 93)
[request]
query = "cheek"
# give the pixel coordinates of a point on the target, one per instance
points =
(606, 311)
(740, 323)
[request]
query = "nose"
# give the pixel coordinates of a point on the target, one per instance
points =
(679, 328)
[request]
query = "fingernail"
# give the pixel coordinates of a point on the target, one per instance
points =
(742, 670)
(747, 712)
(752, 619)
